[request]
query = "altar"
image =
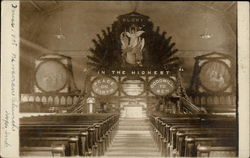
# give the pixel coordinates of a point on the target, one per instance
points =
(133, 111)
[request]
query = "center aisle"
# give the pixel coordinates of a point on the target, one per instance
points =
(133, 139)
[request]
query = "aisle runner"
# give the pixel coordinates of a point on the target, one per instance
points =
(133, 139)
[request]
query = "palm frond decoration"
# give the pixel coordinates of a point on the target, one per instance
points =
(158, 51)
(106, 53)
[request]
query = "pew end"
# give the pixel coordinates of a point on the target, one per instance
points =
(216, 151)
(54, 150)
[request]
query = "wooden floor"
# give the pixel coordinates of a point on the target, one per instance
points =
(133, 139)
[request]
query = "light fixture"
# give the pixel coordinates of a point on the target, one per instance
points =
(206, 34)
(134, 5)
(60, 35)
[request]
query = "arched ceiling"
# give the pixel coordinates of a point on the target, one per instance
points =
(80, 21)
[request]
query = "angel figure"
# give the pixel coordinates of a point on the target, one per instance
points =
(135, 38)
(217, 78)
(132, 45)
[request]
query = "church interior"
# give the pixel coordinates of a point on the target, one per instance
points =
(128, 78)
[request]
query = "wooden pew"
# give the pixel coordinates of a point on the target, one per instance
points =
(219, 151)
(93, 129)
(177, 134)
(184, 141)
(85, 134)
(56, 150)
(177, 140)
(162, 128)
(165, 129)
(193, 143)
(71, 144)
(82, 137)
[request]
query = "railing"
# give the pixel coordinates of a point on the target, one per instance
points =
(202, 100)
(78, 106)
(188, 107)
(53, 103)
(55, 99)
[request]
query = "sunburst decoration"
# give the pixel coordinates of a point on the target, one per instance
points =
(158, 51)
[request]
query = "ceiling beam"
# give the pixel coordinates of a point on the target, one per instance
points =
(229, 6)
(54, 9)
(54, 1)
(208, 7)
(211, 4)
(36, 5)
(43, 50)
(35, 46)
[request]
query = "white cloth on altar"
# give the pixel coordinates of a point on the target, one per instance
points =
(133, 112)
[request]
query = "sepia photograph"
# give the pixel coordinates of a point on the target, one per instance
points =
(123, 79)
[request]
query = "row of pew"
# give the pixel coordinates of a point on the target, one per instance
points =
(67, 134)
(188, 135)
